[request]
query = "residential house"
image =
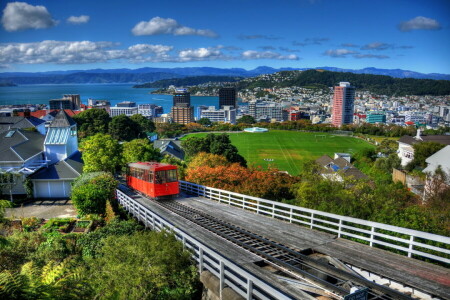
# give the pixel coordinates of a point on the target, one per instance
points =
(440, 159)
(405, 144)
(170, 147)
(338, 168)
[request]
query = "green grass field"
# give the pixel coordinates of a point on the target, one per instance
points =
(289, 149)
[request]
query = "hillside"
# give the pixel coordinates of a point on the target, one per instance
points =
(187, 81)
(379, 84)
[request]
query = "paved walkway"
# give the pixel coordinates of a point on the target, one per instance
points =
(44, 209)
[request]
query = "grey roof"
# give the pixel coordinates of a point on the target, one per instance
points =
(62, 119)
(341, 162)
(324, 160)
(20, 146)
(7, 123)
(61, 170)
(355, 173)
(441, 139)
(169, 147)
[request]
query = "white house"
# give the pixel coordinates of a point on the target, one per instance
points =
(405, 144)
(440, 159)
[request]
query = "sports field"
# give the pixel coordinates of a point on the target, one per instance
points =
(287, 150)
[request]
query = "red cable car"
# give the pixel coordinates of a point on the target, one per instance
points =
(153, 179)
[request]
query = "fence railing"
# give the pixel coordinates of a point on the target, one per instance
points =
(413, 243)
(230, 274)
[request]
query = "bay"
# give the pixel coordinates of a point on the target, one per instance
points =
(115, 93)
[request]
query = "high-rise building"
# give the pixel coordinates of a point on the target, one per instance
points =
(183, 114)
(181, 97)
(343, 104)
(70, 101)
(227, 96)
(75, 99)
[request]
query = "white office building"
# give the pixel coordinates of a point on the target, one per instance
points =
(117, 111)
(226, 115)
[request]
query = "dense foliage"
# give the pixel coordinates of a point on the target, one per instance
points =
(378, 84)
(215, 171)
(213, 143)
(422, 151)
(91, 191)
(101, 152)
(117, 261)
(187, 81)
(92, 121)
(140, 150)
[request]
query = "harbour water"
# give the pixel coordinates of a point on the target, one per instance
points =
(115, 93)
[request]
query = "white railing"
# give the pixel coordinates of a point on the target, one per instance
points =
(408, 241)
(230, 274)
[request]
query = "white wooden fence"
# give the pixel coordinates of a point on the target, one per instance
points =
(408, 241)
(230, 274)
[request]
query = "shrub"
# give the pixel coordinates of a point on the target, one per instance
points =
(89, 199)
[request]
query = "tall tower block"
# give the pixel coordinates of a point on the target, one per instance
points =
(343, 104)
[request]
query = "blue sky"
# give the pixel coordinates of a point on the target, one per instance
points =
(86, 34)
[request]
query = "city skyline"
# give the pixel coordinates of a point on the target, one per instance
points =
(45, 36)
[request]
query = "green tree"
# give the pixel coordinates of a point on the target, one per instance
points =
(92, 121)
(165, 269)
(205, 122)
(101, 153)
(89, 199)
(123, 128)
(140, 150)
(144, 124)
(246, 119)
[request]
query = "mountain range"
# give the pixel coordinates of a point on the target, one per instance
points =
(142, 75)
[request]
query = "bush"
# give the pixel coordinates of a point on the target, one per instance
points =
(89, 199)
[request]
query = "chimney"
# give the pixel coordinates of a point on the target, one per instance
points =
(27, 113)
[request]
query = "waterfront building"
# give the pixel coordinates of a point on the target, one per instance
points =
(343, 104)
(181, 97)
(198, 111)
(69, 101)
(126, 104)
(227, 114)
(227, 96)
(117, 111)
(183, 114)
(267, 110)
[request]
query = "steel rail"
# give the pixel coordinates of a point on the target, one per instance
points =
(279, 254)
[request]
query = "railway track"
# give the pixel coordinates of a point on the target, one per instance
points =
(323, 279)
(335, 282)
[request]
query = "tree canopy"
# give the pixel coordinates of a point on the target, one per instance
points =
(140, 150)
(101, 152)
(123, 128)
(92, 121)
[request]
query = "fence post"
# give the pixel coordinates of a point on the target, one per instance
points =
(222, 277)
(290, 215)
(411, 240)
(273, 210)
(249, 289)
(220, 196)
(372, 231)
(200, 259)
(340, 228)
(312, 220)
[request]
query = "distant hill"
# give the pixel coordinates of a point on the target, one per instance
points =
(6, 83)
(379, 84)
(143, 75)
(187, 81)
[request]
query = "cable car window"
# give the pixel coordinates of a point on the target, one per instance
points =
(171, 175)
(150, 176)
(160, 177)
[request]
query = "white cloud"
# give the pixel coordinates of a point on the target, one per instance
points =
(158, 25)
(78, 20)
(252, 54)
(22, 16)
(79, 52)
(419, 23)
(339, 52)
(200, 54)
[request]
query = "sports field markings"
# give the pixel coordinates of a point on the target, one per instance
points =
(289, 159)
